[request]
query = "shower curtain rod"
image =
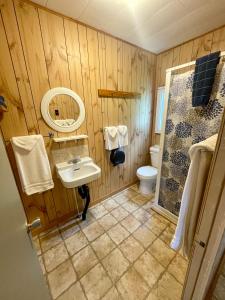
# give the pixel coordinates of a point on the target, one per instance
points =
(188, 64)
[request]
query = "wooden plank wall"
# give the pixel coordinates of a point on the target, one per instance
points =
(184, 53)
(41, 50)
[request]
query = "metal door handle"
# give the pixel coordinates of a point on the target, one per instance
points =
(35, 224)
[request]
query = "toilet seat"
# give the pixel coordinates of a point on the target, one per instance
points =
(146, 172)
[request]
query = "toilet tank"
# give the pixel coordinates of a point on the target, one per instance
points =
(154, 154)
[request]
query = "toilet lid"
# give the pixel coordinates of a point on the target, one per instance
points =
(147, 172)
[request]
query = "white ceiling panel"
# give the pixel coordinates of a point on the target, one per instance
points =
(70, 8)
(167, 38)
(159, 20)
(134, 21)
(155, 25)
(190, 4)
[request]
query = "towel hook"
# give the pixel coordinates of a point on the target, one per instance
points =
(51, 135)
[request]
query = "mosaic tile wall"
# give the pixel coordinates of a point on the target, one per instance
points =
(185, 126)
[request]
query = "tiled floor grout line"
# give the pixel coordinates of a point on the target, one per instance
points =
(89, 243)
(100, 260)
(157, 236)
(176, 254)
(68, 259)
(131, 264)
(69, 256)
(53, 269)
(43, 259)
(116, 247)
(96, 220)
(165, 268)
(77, 277)
(146, 250)
(161, 275)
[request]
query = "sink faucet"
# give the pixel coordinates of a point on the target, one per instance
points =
(75, 160)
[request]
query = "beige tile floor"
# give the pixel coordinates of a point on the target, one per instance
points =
(120, 252)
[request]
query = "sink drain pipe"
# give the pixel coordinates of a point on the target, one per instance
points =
(85, 195)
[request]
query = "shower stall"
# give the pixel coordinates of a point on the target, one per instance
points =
(183, 126)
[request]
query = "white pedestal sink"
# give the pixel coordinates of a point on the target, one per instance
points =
(78, 174)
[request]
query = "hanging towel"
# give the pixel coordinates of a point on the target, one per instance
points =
(111, 138)
(122, 135)
(205, 71)
(32, 163)
(2, 102)
(201, 155)
(117, 157)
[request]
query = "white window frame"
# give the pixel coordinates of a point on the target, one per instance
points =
(160, 109)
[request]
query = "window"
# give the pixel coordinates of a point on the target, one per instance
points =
(160, 109)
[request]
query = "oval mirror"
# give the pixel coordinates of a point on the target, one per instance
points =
(62, 109)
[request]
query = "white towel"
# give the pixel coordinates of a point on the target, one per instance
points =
(201, 155)
(111, 138)
(122, 135)
(32, 163)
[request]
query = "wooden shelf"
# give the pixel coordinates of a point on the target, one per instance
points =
(70, 138)
(117, 94)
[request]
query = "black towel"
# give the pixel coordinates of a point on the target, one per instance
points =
(205, 70)
(117, 157)
(2, 101)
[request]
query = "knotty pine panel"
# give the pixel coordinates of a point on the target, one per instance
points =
(41, 50)
(203, 45)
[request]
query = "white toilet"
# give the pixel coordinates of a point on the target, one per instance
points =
(147, 174)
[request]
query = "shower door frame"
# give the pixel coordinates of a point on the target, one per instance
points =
(158, 208)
